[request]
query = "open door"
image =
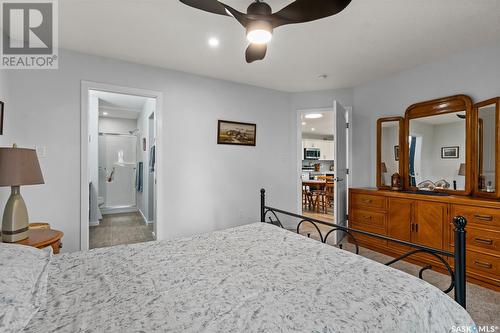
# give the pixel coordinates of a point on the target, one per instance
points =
(340, 167)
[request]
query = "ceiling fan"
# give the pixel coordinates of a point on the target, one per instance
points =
(260, 21)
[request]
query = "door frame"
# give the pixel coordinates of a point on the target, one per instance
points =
(86, 86)
(298, 146)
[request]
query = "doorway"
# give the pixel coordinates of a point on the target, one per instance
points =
(119, 186)
(323, 142)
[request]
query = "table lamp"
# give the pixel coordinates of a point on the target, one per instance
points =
(18, 166)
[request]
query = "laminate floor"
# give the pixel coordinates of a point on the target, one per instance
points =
(116, 229)
(483, 304)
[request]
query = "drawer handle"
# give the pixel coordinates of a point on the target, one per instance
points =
(483, 264)
(367, 217)
(484, 217)
(484, 241)
(366, 200)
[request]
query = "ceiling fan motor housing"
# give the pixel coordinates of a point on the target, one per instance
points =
(259, 8)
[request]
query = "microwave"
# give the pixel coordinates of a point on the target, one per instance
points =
(312, 154)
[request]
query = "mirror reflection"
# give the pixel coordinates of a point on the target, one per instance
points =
(486, 148)
(437, 152)
(389, 151)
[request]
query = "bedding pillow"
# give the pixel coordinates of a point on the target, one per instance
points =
(23, 284)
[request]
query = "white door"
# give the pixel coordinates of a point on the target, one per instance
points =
(340, 167)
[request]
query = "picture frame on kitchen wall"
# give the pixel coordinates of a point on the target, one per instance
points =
(236, 133)
(1, 117)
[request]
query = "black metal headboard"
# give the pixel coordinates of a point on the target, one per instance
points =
(458, 281)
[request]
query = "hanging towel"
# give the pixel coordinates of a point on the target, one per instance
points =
(152, 159)
(138, 177)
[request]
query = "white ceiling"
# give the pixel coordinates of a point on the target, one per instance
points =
(321, 126)
(368, 40)
(119, 105)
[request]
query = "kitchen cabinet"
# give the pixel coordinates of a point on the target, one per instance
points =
(326, 148)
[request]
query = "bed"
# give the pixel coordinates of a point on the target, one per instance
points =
(252, 278)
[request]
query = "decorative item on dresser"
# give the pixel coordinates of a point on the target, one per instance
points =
(18, 166)
(421, 213)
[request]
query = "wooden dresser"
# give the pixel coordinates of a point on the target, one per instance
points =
(427, 220)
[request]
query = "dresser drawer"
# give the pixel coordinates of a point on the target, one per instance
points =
(368, 220)
(480, 240)
(478, 216)
(368, 201)
(484, 265)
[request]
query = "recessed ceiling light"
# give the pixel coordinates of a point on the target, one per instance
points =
(322, 76)
(313, 129)
(213, 42)
(314, 116)
(304, 123)
(104, 113)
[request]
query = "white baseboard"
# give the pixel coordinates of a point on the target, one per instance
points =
(94, 223)
(118, 210)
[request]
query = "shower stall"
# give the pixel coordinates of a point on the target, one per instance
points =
(117, 172)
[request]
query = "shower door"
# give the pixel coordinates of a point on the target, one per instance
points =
(117, 170)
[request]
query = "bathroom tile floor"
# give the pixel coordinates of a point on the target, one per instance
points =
(116, 229)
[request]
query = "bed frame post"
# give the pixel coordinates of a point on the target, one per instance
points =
(262, 205)
(460, 281)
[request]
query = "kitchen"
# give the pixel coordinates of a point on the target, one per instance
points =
(317, 165)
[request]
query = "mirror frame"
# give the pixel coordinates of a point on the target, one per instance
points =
(477, 151)
(437, 107)
(379, 147)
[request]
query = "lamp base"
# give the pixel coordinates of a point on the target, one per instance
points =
(15, 218)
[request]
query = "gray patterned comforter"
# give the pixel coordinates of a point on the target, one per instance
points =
(254, 278)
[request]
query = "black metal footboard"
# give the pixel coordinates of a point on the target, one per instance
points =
(457, 275)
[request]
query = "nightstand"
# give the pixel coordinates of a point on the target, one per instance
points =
(41, 238)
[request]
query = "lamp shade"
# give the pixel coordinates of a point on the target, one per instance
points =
(19, 166)
(462, 170)
(384, 167)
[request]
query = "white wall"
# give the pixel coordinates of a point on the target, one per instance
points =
(143, 156)
(475, 73)
(93, 146)
(117, 125)
(207, 186)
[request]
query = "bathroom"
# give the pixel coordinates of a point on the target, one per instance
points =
(122, 169)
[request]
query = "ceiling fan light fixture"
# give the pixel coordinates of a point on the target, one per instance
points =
(259, 32)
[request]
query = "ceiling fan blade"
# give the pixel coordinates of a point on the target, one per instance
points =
(216, 7)
(212, 6)
(308, 10)
(255, 52)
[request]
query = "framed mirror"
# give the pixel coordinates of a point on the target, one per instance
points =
(389, 139)
(487, 154)
(438, 146)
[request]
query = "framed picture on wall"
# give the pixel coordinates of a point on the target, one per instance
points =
(450, 152)
(396, 153)
(236, 133)
(1, 118)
